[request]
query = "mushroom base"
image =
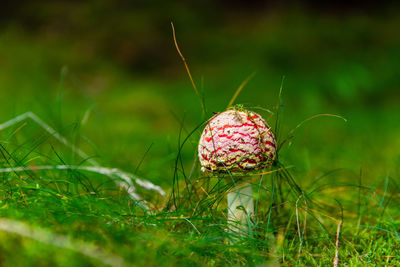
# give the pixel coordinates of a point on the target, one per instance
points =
(240, 209)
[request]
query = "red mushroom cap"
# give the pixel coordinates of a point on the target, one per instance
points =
(236, 141)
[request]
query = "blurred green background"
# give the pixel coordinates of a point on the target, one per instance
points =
(109, 71)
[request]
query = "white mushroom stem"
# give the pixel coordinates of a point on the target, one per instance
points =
(240, 208)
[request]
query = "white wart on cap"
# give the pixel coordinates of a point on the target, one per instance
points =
(236, 141)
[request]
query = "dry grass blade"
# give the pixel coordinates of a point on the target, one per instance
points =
(336, 259)
(127, 178)
(240, 88)
(187, 68)
(277, 170)
(51, 131)
(110, 172)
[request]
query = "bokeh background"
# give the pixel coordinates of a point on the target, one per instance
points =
(106, 75)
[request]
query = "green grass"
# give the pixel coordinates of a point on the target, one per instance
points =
(137, 122)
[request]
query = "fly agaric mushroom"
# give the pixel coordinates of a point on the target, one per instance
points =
(237, 142)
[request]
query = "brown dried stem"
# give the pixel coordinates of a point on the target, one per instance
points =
(187, 68)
